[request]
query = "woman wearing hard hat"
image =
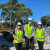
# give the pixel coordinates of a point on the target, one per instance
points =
(40, 35)
(18, 36)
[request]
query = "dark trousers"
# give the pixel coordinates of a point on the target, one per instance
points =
(31, 42)
(40, 45)
(18, 46)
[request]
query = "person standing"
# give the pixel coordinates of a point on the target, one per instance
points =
(40, 35)
(29, 34)
(18, 36)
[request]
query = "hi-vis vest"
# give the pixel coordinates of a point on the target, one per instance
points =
(29, 30)
(19, 35)
(40, 35)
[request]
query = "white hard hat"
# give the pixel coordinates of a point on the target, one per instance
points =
(18, 23)
(39, 23)
(30, 19)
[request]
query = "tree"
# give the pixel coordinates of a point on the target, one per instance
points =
(34, 23)
(6, 25)
(0, 18)
(46, 20)
(0, 25)
(11, 11)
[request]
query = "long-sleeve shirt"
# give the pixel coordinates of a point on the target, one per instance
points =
(26, 33)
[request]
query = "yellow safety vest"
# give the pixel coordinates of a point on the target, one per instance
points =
(40, 35)
(19, 35)
(29, 30)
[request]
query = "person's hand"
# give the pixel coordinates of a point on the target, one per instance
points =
(21, 39)
(29, 37)
(18, 39)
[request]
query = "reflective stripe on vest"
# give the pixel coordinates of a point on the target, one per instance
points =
(19, 35)
(42, 36)
(29, 30)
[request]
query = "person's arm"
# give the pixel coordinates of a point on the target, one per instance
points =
(24, 31)
(14, 35)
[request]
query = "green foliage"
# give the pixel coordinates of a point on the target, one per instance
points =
(34, 23)
(0, 25)
(11, 11)
(6, 25)
(46, 20)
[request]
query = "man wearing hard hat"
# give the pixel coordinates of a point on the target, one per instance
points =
(29, 34)
(18, 36)
(40, 35)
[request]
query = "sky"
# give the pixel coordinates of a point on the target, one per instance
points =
(39, 7)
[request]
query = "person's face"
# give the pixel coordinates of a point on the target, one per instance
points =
(29, 21)
(19, 26)
(39, 26)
